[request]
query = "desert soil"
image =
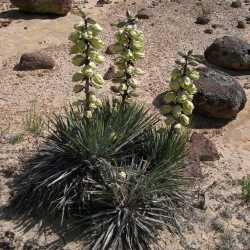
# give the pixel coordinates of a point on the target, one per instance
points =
(171, 28)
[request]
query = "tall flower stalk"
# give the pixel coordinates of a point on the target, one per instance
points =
(129, 47)
(86, 43)
(178, 102)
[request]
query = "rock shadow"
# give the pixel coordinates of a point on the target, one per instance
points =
(21, 15)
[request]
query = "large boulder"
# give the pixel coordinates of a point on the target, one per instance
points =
(35, 60)
(58, 7)
(219, 95)
(230, 53)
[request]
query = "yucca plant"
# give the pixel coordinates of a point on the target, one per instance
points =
(112, 171)
(178, 105)
(129, 206)
(54, 178)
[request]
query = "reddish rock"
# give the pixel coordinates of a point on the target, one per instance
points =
(202, 148)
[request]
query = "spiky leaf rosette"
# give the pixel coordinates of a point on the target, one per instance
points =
(130, 47)
(130, 206)
(55, 179)
(87, 42)
(178, 101)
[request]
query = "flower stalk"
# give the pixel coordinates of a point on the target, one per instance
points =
(86, 44)
(178, 102)
(130, 48)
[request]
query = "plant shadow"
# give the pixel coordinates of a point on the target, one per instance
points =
(41, 224)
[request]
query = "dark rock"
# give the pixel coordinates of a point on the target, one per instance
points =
(110, 74)
(236, 4)
(229, 52)
(100, 3)
(202, 20)
(144, 14)
(241, 25)
(216, 26)
(35, 60)
(208, 31)
(111, 50)
(202, 148)
(58, 7)
(219, 95)
(5, 22)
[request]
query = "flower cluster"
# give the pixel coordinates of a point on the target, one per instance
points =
(130, 47)
(178, 105)
(85, 49)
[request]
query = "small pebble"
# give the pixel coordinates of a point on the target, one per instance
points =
(208, 31)
(202, 20)
(236, 4)
(241, 25)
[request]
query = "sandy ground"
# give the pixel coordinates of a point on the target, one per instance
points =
(171, 28)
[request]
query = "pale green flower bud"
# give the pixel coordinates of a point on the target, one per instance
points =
(137, 45)
(138, 71)
(98, 79)
(78, 60)
(87, 71)
(123, 175)
(186, 82)
(194, 75)
(181, 97)
(184, 120)
(96, 43)
(188, 107)
(92, 98)
(192, 89)
(92, 105)
(80, 26)
(96, 28)
(75, 50)
(174, 85)
(138, 55)
(98, 102)
(74, 36)
(133, 83)
(179, 128)
(96, 57)
(88, 114)
(78, 76)
(123, 87)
